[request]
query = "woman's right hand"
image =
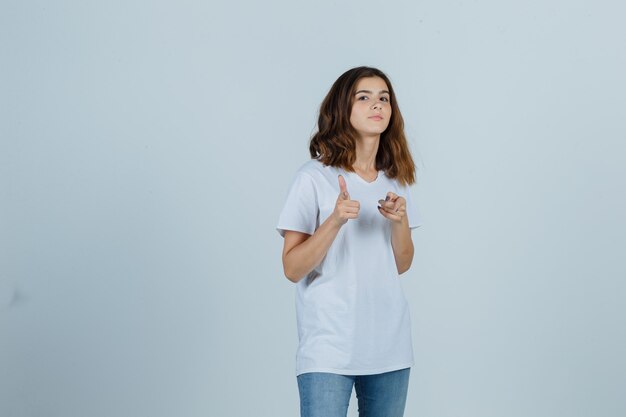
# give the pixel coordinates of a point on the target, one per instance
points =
(344, 207)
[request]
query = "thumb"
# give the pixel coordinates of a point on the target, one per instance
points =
(343, 189)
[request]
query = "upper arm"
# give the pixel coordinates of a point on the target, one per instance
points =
(300, 211)
(293, 239)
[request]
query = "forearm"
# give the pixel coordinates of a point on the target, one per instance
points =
(301, 260)
(402, 245)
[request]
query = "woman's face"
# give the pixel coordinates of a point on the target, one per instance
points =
(371, 108)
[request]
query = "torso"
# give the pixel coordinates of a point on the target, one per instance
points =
(352, 315)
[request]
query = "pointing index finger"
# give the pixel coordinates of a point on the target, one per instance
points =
(343, 188)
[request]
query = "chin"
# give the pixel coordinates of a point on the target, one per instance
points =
(371, 132)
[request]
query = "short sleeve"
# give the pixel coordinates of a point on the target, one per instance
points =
(300, 211)
(415, 218)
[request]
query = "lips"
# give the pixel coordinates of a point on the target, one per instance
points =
(376, 117)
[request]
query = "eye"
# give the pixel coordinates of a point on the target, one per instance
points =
(362, 98)
(385, 99)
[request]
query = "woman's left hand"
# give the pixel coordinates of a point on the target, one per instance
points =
(393, 208)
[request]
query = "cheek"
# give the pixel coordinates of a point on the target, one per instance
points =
(352, 117)
(355, 113)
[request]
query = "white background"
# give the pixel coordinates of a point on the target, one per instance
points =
(146, 149)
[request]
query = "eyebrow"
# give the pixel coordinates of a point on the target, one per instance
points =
(369, 92)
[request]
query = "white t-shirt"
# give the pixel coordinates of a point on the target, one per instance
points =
(352, 316)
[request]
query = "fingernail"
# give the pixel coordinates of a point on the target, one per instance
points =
(387, 198)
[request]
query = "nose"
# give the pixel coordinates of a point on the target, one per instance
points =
(377, 105)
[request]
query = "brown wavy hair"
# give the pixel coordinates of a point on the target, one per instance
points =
(334, 143)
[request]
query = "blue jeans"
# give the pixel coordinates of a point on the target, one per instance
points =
(328, 395)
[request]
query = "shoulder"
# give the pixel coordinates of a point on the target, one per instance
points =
(314, 169)
(312, 166)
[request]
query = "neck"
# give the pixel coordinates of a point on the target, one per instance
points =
(366, 149)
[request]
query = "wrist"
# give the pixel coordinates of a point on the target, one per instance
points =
(335, 222)
(401, 224)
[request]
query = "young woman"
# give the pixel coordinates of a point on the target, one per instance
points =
(347, 226)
